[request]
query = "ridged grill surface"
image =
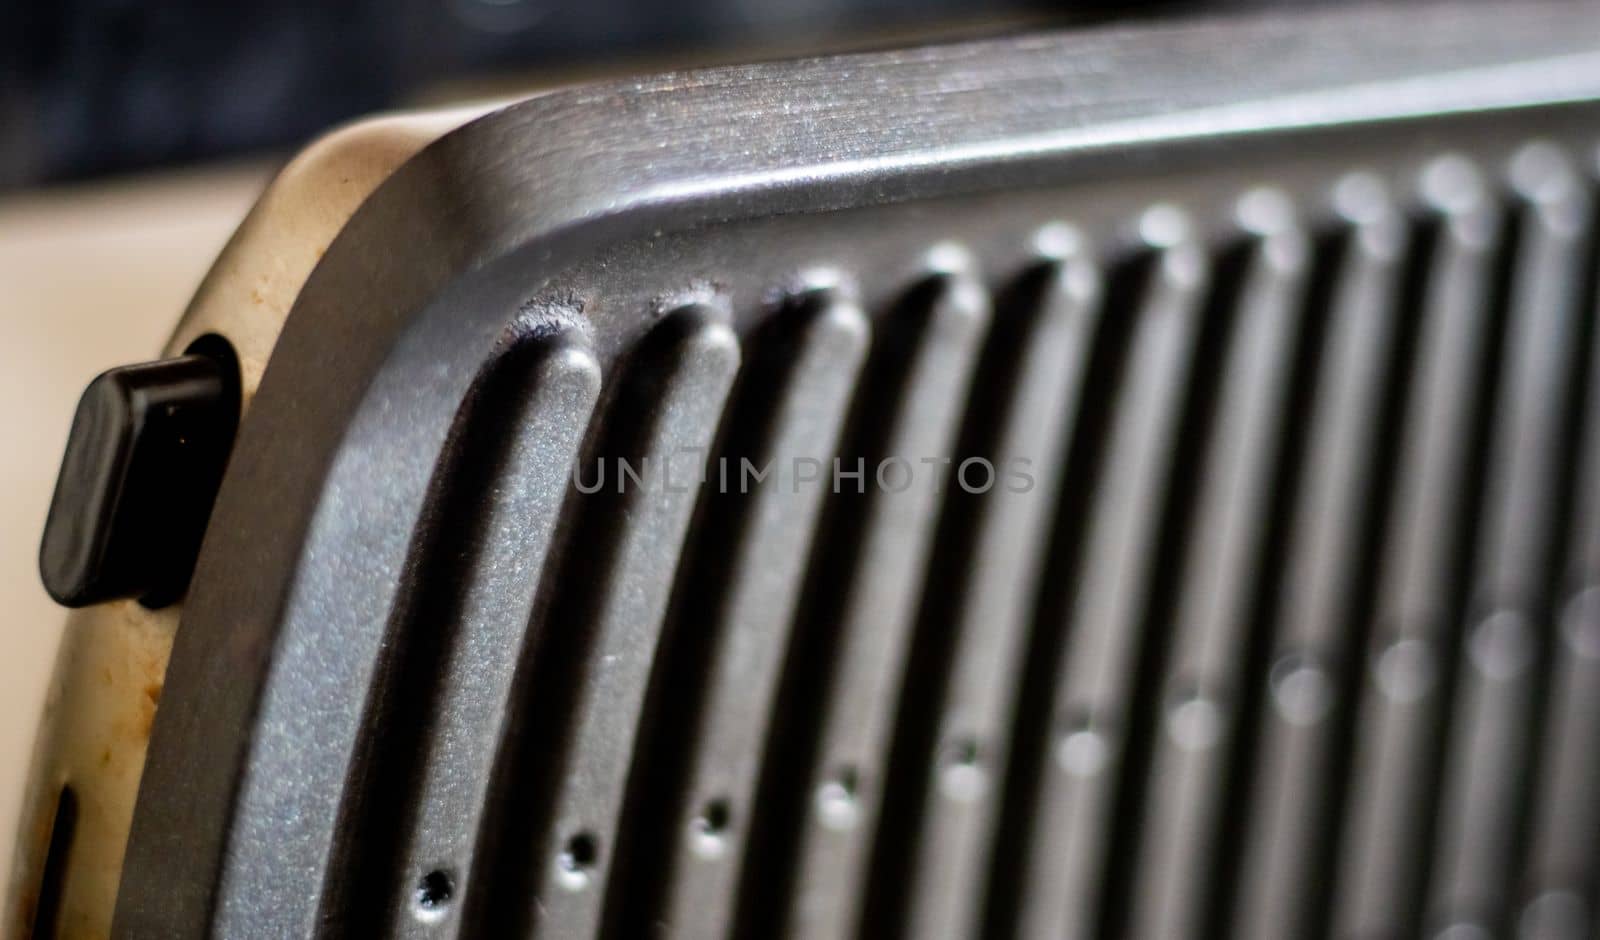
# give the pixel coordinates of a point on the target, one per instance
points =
(1287, 621)
(1130, 484)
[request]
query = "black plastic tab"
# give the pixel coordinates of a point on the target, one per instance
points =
(141, 471)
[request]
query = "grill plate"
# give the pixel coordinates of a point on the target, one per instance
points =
(413, 656)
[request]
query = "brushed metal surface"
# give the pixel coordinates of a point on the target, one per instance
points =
(959, 764)
(748, 623)
(1511, 611)
(1400, 709)
(1316, 603)
(493, 613)
(863, 613)
(1072, 818)
(620, 583)
(1217, 603)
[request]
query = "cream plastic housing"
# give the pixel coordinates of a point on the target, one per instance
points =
(112, 662)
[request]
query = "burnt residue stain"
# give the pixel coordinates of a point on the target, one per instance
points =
(147, 708)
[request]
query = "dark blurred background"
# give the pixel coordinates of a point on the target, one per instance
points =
(89, 87)
(92, 87)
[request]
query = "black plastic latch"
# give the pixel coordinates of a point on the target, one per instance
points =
(143, 463)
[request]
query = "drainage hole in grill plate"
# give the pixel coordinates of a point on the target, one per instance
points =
(836, 800)
(710, 828)
(961, 773)
(575, 865)
(433, 894)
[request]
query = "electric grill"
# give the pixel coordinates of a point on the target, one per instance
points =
(1138, 481)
